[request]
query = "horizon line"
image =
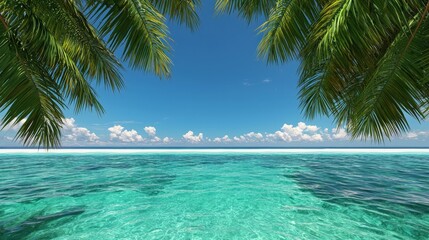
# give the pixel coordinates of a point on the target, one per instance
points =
(217, 150)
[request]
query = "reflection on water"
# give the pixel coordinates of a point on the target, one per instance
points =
(368, 180)
(38, 221)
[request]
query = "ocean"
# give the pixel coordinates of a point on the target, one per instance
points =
(214, 194)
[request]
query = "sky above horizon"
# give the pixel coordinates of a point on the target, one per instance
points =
(220, 94)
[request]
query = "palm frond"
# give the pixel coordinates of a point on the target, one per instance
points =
(185, 12)
(80, 40)
(50, 53)
(41, 43)
(139, 28)
(285, 31)
(28, 91)
(394, 90)
(248, 9)
(342, 53)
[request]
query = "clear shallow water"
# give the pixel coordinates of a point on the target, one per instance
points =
(214, 196)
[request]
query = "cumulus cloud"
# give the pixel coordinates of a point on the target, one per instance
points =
(339, 134)
(73, 133)
(253, 135)
(312, 128)
(224, 139)
(151, 131)
(81, 134)
(190, 137)
(167, 140)
(249, 137)
(415, 135)
(312, 138)
(118, 133)
(69, 123)
(279, 135)
(239, 139)
(301, 132)
(15, 125)
(287, 133)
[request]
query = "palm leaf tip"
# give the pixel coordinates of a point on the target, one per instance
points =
(184, 12)
(140, 29)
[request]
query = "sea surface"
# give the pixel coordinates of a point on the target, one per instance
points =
(214, 194)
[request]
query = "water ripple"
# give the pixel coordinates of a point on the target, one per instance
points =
(214, 196)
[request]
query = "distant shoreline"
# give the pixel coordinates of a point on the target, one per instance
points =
(217, 150)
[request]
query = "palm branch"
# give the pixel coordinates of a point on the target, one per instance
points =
(362, 62)
(53, 53)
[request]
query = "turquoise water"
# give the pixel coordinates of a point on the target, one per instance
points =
(214, 196)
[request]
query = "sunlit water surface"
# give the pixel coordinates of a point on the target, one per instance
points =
(214, 195)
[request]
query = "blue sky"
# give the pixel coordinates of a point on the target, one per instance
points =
(218, 87)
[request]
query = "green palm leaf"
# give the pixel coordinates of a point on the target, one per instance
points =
(394, 88)
(364, 63)
(28, 91)
(138, 27)
(185, 12)
(51, 54)
(248, 9)
(80, 41)
(285, 31)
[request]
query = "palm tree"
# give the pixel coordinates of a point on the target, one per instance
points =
(365, 63)
(53, 52)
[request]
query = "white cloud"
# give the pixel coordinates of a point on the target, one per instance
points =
(312, 138)
(245, 138)
(224, 139)
(280, 135)
(312, 128)
(69, 123)
(190, 137)
(301, 132)
(81, 134)
(117, 132)
(416, 135)
(251, 137)
(266, 80)
(151, 131)
(239, 139)
(254, 136)
(288, 133)
(301, 126)
(14, 125)
(293, 131)
(412, 135)
(339, 134)
(73, 133)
